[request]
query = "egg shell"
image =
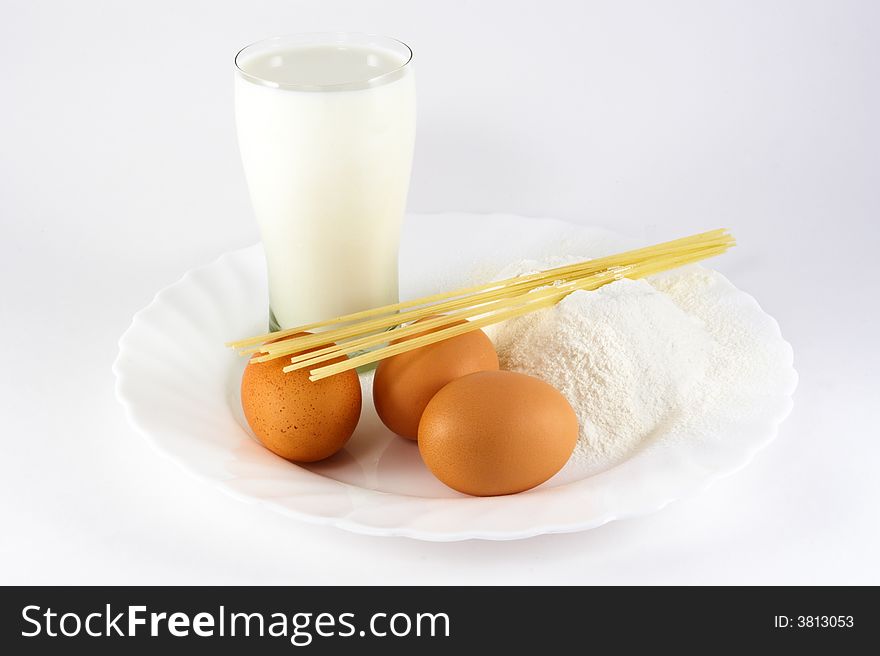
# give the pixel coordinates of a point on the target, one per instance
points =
(296, 418)
(497, 432)
(404, 383)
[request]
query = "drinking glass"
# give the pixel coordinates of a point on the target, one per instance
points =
(326, 126)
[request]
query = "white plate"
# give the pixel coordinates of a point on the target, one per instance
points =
(180, 388)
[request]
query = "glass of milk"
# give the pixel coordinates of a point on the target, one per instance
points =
(326, 125)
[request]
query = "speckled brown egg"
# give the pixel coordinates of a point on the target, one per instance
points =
(404, 383)
(296, 418)
(497, 432)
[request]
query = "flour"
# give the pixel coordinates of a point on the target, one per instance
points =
(626, 357)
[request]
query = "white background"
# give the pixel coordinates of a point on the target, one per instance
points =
(119, 171)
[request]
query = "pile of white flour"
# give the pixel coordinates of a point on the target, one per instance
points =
(634, 358)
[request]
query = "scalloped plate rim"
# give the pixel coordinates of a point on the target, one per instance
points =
(344, 523)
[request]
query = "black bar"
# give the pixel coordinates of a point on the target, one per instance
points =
(521, 619)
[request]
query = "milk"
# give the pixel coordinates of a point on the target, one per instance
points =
(326, 136)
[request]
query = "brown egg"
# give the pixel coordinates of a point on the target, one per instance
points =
(404, 383)
(296, 418)
(497, 432)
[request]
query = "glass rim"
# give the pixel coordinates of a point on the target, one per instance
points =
(328, 38)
